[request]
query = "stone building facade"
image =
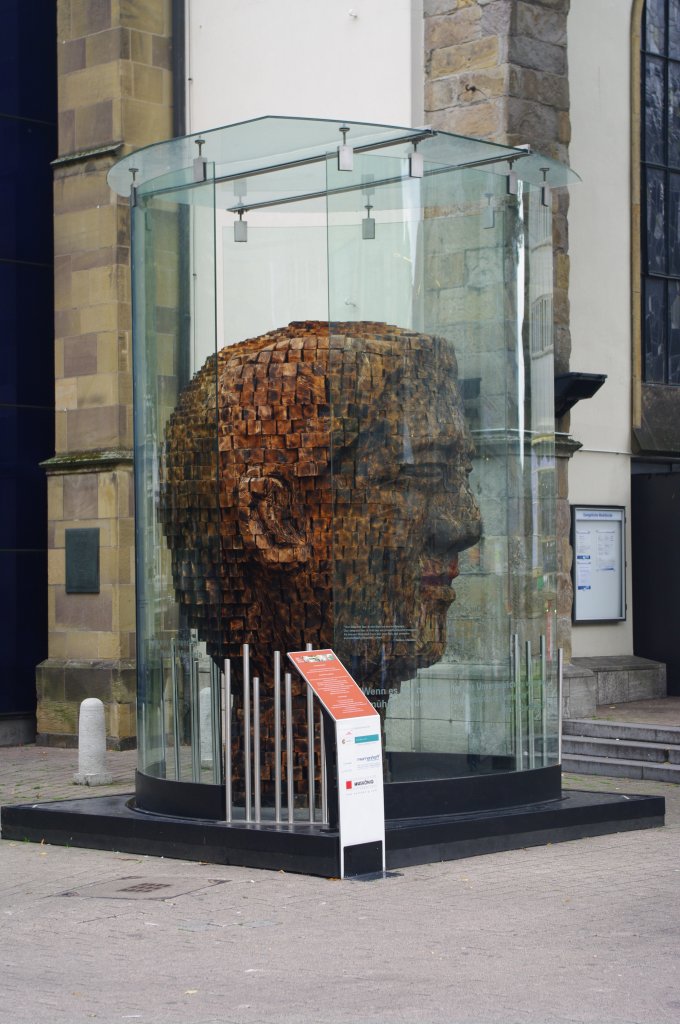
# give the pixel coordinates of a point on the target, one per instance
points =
(115, 95)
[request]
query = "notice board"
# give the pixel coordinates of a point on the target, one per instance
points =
(599, 566)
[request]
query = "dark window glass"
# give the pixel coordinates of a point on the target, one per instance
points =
(28, 59)
(674, 29)
(674, 114)
(655, 108)
(655, 331)
(655, 35)
(661, 177)
(673, 226)
(674, 332)
(26, 190)
(23, 626)
(656, 222)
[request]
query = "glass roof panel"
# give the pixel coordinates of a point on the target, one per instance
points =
(268, 144)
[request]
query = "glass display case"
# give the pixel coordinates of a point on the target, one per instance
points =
(344, 437)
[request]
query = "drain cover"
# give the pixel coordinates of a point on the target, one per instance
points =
(136, 887)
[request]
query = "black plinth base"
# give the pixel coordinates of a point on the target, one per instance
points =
(113, 823)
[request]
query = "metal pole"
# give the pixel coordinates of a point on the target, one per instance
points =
(311, 795)
(256, 748)
(560, 670)
(216, 693)
(530, 706)
(519, 759)
(175, 704)
(246, 730)
(195, 717)
(544, 698)
(289, 745)
(310, 753)
(324, 771)
(227, 739)
(164, 755)
(277, 736)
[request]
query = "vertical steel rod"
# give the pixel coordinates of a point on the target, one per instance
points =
(195, 717)
(324, 774)
(311, 793)
(516, 667)
(289, 746)
(227, 740)
(246, 730)
(277, 736)
(164, 753)
(256, 749)
(216, 716)
(544, 699)
(175, 704)
(531, 727)
(560, 670)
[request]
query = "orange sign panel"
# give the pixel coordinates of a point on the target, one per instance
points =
(332, 684)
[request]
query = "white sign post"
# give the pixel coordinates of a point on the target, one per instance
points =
(361, 805)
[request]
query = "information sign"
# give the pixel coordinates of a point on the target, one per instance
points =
(599, 563)
(361, 806)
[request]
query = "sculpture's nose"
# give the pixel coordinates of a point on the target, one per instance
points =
(454, 522)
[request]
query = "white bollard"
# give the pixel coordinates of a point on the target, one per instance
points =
(205, 702)
(92, 745)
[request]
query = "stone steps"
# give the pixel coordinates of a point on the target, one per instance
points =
(621, 749)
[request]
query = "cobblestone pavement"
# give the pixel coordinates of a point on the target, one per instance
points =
(581, 932)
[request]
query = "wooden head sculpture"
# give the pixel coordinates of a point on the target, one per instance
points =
(314, 489)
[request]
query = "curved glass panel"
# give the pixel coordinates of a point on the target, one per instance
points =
(344, 436)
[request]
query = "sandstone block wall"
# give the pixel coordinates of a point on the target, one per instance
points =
(115, 95)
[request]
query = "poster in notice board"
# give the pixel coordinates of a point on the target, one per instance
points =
(599, 564)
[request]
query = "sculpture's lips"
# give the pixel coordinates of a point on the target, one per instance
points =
(437, 585)
(441, 579)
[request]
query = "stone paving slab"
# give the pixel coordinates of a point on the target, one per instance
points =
(580, 932)
(30, 774)
(577, 932)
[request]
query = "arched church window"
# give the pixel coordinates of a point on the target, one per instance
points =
(660, 148)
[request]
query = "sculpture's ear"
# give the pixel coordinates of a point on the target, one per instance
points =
(269, 518)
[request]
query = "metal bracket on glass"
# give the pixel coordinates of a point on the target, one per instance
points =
(241, 227)
(133, 188)
(512, 180)
(200, 163)
(345, 152)
(546, 198)
(416, 166)
(368, 224)
(488, 213)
